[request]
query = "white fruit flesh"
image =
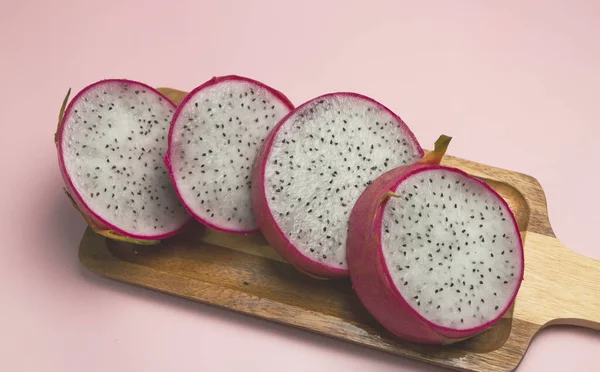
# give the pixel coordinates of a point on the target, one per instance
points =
(114, 138)
(215, 139)
(322, 158)
(451, 248)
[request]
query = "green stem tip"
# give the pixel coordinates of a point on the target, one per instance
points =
(439, 150)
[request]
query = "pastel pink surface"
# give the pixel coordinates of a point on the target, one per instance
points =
(514, 82)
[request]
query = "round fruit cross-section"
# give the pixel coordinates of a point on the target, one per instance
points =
(314, 166)
(110, 144)
(214, 138)
(445, 254)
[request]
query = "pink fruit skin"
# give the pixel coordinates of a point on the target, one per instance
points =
(369, 274)
(70, 188)
(167, 158)
(264, 218)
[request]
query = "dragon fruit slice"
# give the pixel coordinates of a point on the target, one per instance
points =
(214, 138)
(434, 254)
(314, 166)
(110, 142)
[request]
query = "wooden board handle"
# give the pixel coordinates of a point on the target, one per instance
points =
(560, 285)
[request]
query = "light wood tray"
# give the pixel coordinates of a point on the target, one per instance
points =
(244, 274)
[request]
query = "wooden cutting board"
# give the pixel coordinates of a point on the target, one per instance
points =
(244, 274)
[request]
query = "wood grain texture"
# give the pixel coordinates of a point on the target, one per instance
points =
(244, 274)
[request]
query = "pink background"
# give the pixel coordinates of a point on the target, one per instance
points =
(515, 82)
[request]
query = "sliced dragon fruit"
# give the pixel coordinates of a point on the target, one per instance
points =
(110, 142)
(434, 254)
(215, 135)
(314, 166)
